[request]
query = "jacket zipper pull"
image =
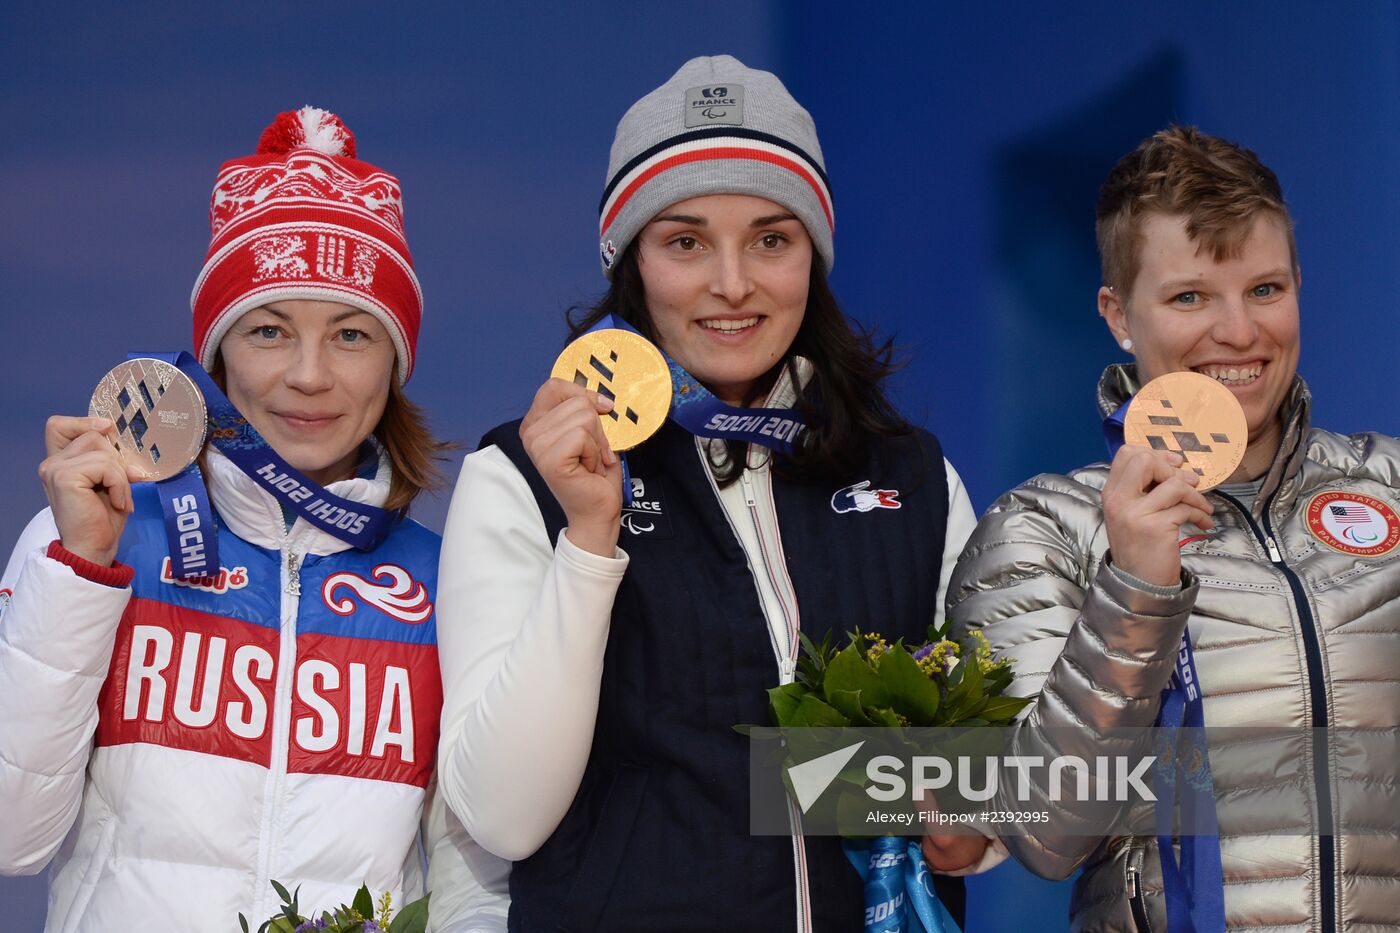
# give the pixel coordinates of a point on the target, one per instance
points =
(747, 483)
(293, 575)
(1274, 555)
(1136, 902)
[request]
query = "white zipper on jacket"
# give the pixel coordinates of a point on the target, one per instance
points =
(775, 564)
(750, 558)
(785, 646)
(290, 599)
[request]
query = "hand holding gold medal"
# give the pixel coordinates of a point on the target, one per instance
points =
(609, 390)
(626, 368)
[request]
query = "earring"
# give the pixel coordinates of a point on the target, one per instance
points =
(1128, 343)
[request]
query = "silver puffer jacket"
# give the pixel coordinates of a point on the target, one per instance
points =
(1289, 632)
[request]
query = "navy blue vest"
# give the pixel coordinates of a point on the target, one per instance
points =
(658, 836)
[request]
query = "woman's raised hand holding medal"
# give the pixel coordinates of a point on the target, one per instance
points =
(1150, 494)
(564, 438)
(1184, 434)
(88, 485)
(93, 461)
(573, 439)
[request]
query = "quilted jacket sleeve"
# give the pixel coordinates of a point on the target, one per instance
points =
(56, 639)
(1096, 650)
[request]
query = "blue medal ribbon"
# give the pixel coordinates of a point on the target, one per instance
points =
(696, 408)
(1194, 886)
(189, 525)
(189, 519)
(1113, 429)
(899, 895)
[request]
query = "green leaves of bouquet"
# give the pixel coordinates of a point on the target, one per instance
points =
(359, 916)
(872, 683)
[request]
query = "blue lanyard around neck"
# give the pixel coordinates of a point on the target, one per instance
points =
(189, 519)
(700, 412)
(1193, 886)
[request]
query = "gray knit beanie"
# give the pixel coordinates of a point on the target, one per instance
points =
(717, 127)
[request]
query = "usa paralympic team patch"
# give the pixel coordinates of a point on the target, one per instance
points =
(1351, 523)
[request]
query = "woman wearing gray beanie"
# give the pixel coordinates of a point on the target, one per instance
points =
(592, 690)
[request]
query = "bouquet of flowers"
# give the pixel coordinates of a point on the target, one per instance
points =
(361, 915)
(872, 683)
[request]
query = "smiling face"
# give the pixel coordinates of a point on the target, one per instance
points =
(313, 378)
(1235, 320)
(726, 280)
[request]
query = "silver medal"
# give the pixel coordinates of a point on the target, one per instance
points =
(159, 413)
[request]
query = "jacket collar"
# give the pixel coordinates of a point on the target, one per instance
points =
(1120, 382)
(255, 515)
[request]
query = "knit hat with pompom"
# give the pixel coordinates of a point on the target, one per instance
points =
(303, 218)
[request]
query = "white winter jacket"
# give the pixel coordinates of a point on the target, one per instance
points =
(172, 748)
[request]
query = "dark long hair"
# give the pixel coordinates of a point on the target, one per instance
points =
(843, 403)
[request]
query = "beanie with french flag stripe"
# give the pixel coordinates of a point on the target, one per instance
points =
(716, 127)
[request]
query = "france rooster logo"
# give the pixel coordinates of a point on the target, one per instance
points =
(861, 498)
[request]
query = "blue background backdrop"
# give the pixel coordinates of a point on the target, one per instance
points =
(965, 145)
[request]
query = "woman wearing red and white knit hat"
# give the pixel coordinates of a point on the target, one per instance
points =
(172, 745)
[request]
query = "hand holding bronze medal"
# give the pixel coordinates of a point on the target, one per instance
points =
(1195, 416)
(159, 414)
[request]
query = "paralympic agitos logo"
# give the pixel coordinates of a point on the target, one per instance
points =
(715, 104)
(646, 515)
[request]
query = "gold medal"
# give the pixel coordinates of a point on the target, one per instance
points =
(159, 413)
(1195, 416)
(626, 368)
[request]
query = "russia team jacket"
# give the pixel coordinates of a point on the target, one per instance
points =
(173, 747)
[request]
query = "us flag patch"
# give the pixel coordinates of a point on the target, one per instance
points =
(1351, 523)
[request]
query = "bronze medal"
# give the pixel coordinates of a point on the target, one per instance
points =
(159, 413)
(626, 368)
(1195, 416)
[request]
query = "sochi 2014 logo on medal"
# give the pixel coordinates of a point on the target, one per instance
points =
(1362, 526)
